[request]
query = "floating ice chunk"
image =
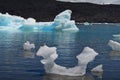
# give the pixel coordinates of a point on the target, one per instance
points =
(87, 55)
(98, 68)
(50, 54)
(114, 45)
(86, 23)
(28, 46)
(63, 22)
(117, 35)
(46, 51)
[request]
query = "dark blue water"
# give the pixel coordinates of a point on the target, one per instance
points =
(16, 64)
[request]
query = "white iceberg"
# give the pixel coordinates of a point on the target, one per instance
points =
(114, 45)
(28, 46)
(50, 54)
(98, 68)
(61, 22)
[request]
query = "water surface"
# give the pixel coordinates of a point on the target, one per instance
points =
(17, 64)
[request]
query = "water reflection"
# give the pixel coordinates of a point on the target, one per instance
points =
(61, 77)
(29, 54)
(114, 55)
(98, 74)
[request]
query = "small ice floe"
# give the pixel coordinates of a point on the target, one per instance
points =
(98, 68)
(114, 45)
(86, 23)
(28, 46)
(116, 35)
(50, 54)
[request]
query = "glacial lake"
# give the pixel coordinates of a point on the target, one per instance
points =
(17, 64)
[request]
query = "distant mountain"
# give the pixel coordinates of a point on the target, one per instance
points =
(46, 10)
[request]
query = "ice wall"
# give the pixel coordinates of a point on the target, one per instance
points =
(61, 22)
(114, 45)
(50, 54)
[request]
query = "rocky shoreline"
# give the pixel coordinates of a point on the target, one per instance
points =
(46, 10)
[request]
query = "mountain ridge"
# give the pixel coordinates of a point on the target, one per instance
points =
(46, 10)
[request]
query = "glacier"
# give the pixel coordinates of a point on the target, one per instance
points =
(50, 54)
(61, 22)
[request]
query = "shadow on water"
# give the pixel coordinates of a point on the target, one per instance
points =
(97, 74)
(29, 54)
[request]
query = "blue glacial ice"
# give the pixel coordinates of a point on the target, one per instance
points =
(61, 22)
(50, 54)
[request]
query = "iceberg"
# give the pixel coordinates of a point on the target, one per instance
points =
(50, 54)
(114, 45)
(27, 46)
(98, 68)
(61, 22)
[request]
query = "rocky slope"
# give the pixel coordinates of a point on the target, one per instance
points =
(46, 10)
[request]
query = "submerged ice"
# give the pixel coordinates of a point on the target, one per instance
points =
(50, 54)
(61, 22)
